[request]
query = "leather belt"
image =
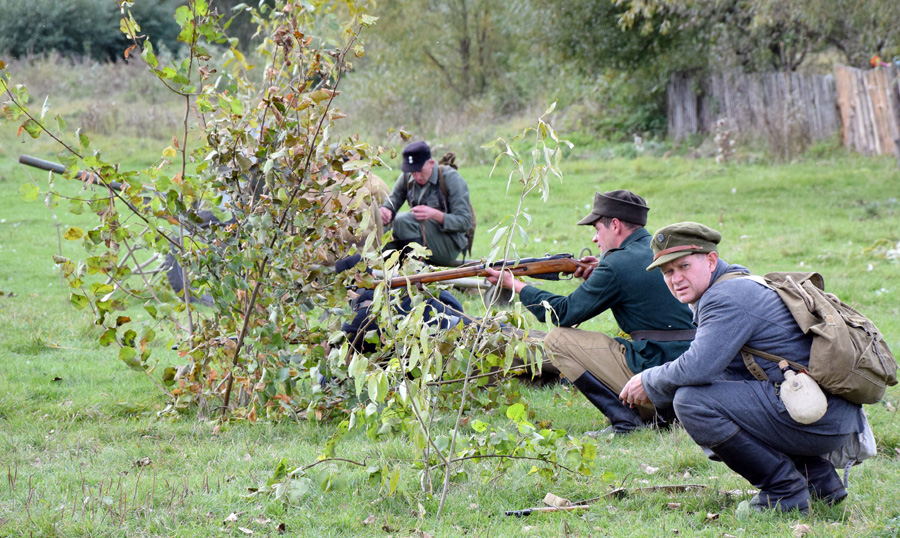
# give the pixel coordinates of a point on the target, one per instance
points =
(665, 336)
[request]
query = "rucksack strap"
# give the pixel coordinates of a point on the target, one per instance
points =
(747, 352)
(442, 191)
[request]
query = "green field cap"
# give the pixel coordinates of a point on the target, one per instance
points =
(622, 205)
(677, 240)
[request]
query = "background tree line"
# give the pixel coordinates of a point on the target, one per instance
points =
(432, 66)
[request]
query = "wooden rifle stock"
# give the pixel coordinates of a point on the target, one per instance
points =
(547, 268)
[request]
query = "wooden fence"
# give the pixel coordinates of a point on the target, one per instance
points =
(864, 106)
(869, 102)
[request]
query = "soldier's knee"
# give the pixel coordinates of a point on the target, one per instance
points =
(558, 344)
(406, 226)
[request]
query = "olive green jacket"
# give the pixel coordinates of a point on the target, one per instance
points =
(457, 215)
(639, 301)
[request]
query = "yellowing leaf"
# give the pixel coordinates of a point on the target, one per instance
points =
(320, 95)
(169, 152)
(74, 233)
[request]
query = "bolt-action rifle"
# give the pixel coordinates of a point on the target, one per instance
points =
(546, 268)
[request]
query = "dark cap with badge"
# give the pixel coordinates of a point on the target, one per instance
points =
(623, 205)
(678, 240)
(415, 156)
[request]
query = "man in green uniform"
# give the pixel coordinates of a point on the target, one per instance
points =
(660, 327)
(439, 214)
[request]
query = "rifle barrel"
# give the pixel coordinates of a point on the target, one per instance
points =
(56, 168)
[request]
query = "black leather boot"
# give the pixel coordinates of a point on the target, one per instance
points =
(622, 419)
(780, 484)
(822, 479)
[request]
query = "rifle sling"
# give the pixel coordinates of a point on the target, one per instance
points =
(664, 336)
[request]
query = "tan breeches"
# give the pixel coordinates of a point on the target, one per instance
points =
(575, 351)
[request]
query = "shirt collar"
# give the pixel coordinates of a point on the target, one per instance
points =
(635, 236)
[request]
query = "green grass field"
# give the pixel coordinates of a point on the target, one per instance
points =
(87, 451)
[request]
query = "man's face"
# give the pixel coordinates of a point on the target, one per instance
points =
(422, 175)
(605, 238)
(688, 277)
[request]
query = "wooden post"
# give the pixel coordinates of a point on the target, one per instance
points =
(897, 144)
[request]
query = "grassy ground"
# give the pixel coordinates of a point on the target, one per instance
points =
(87, 453)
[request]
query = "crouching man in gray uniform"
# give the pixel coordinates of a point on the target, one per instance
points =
(436, 219)
(739, 420)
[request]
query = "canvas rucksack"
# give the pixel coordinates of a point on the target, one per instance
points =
(449, 159)
(848, 358)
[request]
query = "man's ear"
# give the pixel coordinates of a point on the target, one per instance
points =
(713, 259)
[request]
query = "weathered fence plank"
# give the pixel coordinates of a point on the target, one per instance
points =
(863, 105)
(870, 109)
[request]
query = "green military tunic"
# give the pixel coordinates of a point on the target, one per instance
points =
(639, 301)
(445, 240)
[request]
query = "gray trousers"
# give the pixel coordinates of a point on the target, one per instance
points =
(713, 413)
(444, 249)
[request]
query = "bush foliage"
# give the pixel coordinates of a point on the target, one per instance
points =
(81, 27)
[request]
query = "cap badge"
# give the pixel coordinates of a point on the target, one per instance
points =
(410, 159)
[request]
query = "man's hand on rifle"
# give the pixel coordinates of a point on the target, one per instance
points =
(508, 282)
(586, 272)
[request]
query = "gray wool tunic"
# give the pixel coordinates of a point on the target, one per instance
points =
(731, 314)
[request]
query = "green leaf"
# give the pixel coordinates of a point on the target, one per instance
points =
(80, 301)
(395, 479)
(76, 207)
(479, 426)
(499, 234)
(32, 127)
(183, 15)
(29, 192)
(516, 413)
(101, 289)
(83, 139)
(149, 57)
(128, 355)
(108, 337)
(74, 233)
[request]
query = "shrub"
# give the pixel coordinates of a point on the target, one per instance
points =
(81, 27)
